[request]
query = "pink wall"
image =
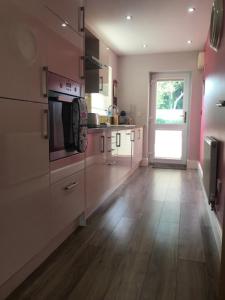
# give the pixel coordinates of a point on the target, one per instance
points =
(213, 119)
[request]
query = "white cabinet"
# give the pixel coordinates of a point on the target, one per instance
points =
(124, 146)
(96, 177)
(137, 147)
(25, 204)
(22, 54)
(68, 200)
(34, 38)
(70, 12)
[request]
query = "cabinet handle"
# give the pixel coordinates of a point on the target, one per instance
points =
(71, 186)
(81, 19)
(45, 81)
(132, 136)
(102, 144)
(101, 84)
(45, 124)
(81, 67)
(118, 139)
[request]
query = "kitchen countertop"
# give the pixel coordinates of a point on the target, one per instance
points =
(112, 127)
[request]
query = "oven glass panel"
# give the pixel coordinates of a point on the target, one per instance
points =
(64, 128)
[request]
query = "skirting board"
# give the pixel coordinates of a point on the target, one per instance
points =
(217, 230)
(192, 164)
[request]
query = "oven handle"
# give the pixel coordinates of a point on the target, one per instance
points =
(45, 124)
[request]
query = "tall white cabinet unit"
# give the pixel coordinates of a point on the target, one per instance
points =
(32, 212)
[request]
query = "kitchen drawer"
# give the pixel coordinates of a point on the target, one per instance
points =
(68, 200)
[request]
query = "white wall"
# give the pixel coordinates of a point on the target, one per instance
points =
(134, 89)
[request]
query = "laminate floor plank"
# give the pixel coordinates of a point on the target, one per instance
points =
(192, 281)
(160, 279)
(151, 240)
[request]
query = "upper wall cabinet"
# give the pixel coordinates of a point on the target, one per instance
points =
(22, 54)
(71, 13)
(34, 38)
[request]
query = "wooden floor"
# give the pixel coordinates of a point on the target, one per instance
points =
(153, 241)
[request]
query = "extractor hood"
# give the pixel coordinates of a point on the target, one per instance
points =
(93, 63)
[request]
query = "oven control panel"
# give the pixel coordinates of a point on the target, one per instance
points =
(59, 84)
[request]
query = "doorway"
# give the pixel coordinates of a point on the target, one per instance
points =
(169, 111)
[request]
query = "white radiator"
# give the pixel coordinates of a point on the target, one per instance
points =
(210, 169)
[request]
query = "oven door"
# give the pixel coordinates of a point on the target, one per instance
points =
(64, 128)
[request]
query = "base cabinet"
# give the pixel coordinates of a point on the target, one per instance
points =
(25, 205)
(110, 157)
(68, 200)
(96, 176)
(137, 146)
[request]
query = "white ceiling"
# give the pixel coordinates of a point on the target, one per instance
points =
(164, 25)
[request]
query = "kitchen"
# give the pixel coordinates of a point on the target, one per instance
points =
(76, 147)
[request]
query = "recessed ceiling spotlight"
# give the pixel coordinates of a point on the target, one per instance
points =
(145, 45)
(107, 48)
(128, 17)
(64, 24)
(191, 9)
(189, 42)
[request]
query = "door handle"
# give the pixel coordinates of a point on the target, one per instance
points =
(45, 81)
(185, 117)
(101, 83)
(81, 67)
(81, 19)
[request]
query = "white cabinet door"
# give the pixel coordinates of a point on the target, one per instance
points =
(125, 148)
(63, 57)
(95, 170)
(25, 205)
(22, 54)
(68, 200)
(69, 12)
(137, 147)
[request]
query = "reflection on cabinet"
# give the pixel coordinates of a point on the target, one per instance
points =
(104, 72)
(25, 205)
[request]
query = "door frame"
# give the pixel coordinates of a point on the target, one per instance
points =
(186, 75)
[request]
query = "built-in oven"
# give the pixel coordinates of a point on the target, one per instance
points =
(67, 117)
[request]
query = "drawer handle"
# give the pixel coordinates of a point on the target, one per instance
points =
(71, 186)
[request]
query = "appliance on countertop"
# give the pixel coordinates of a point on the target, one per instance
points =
(67, 117)
(93, 120)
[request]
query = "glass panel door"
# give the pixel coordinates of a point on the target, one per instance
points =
(169, 111)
